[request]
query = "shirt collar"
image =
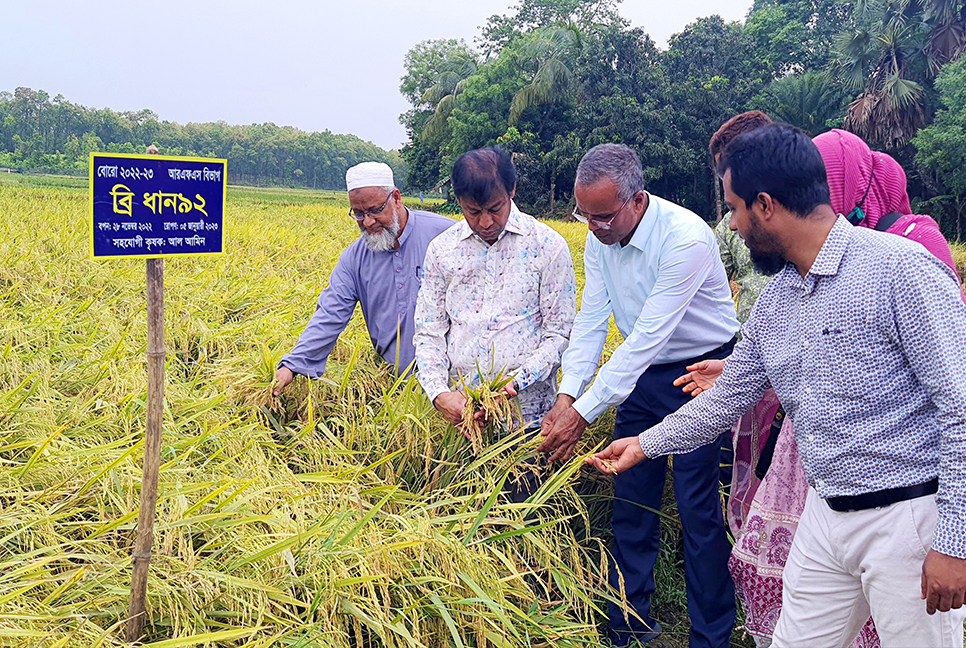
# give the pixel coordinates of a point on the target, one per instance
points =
(830, 256)
(514, 224)
(644, 229)
(406, 230)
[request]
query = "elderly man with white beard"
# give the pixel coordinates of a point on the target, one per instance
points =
(381, 270)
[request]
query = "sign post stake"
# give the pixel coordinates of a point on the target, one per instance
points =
(152, 448)
(151, 206)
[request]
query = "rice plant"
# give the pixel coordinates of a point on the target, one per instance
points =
(343, 514)
(959, 257)
(489, 412)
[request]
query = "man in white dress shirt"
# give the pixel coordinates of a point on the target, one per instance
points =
(655, 266)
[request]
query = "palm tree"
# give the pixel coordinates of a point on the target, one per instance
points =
(896, 49)
(880, 60)
(947, 31)
(809, 101)
(442, 96)
(551, 50)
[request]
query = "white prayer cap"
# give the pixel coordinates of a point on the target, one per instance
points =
(369, 174)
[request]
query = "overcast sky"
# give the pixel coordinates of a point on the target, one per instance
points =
(312, 64)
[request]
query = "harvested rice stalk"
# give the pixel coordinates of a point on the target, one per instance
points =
(500, 413)
(609, 466)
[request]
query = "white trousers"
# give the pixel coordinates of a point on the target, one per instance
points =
(844, 566)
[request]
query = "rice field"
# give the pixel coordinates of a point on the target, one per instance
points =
(959, 256)
(343, 514)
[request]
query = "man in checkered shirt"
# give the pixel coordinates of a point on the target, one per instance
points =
(863, 336)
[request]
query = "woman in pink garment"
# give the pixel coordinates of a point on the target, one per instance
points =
(763, 514)
(868, 186)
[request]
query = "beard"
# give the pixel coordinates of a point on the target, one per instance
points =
(766, 256)
(767, 263)
(385, 240)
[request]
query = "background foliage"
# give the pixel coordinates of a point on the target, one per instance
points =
(47, 135)
(551, 78)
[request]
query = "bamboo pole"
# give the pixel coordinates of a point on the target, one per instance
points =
(152, 449)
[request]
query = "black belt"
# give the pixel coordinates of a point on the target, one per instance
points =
(725, 348)
(882, 497)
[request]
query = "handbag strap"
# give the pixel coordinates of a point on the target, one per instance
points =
(887, 221)
(768, 452)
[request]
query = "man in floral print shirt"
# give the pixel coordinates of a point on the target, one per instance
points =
(498, 294)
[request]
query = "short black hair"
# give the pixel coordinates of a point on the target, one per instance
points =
(780, 160)
(476, 174)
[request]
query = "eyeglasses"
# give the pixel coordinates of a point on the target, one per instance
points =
(602, 222)
(360, 214)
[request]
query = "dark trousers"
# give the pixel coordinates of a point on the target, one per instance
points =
(637, 494)
(727, 460)
(527, 480)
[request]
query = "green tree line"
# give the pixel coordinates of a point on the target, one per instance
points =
(47, 135)
(554, 77)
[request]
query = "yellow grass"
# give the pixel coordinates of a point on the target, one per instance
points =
(344, 514)
(959, 257)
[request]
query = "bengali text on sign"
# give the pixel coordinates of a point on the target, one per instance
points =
(152, 206)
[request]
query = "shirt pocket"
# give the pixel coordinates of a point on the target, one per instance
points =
(838, 369)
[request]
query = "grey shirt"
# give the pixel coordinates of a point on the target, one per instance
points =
(385, 284)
